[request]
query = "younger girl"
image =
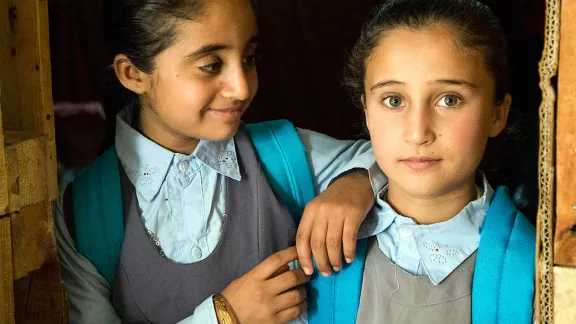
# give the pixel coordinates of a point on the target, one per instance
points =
(431, 76)
(177, 222)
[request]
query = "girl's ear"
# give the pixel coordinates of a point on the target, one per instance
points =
(130, 76)
(500, 116)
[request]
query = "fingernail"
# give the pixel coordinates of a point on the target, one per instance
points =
(349, 260)
(337, 269)
(307, 271)
(326, 274)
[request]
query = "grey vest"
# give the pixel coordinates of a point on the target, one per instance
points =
(391, 295)
(152, 289)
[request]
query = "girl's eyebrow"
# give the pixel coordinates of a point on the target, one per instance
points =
(388, 83)
(456, 82)
(211, 48)
(206, 49)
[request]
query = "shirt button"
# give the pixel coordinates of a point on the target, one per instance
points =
(183, 166)
(197, 252)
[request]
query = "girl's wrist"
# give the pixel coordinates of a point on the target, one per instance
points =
(224, 312)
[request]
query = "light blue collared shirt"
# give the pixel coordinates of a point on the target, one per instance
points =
(182, 197)
(434, 250)
(182, 201)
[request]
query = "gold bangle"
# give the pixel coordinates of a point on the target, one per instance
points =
(224, 312)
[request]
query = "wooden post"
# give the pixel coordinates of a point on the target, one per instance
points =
(28, 180)
(26, 76)
(6, 279)
(565, 244)
(565, 234)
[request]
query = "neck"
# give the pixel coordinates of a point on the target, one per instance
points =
(431, 209)
(156, 130)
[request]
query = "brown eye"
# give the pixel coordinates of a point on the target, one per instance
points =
(211, 68)
(250, 60)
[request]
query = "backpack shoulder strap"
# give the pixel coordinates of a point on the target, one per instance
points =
(348, 287)
(330, 300)
(336, 299)
(284, 162)
(98, 213)
(516, 301)
(503, 288)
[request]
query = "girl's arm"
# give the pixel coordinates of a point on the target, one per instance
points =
(89, 294)
(330, 223)
(329, 158)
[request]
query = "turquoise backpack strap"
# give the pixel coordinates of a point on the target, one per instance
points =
(518, 275)
(503, 287)
(285, 164)
(98, 213)
(337, 298)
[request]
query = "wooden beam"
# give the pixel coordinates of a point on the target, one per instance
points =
(33, 241)
(6, 278)
(565, 240)
(8, 68)
(25, 72)
(41, 297)
(47, 115)
(4, 194)
(28, 178)
(26, 169)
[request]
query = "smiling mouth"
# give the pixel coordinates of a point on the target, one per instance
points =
(228, 113)
(420, 162)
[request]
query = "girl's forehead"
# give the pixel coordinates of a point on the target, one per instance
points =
(218, 14)
(424, 55)
(220, 21)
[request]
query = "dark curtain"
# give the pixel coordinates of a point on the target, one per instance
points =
(77, 50)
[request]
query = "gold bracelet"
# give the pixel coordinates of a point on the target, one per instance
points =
(224, 312)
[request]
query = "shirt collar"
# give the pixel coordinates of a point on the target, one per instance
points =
(442, 246)
(147, 163)
(220, 156)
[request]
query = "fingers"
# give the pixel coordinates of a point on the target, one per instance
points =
(288, 280)
(318, 245)
(280, 271)
(349, 238)
(290, 298)
(334, 243)
(275, 262)
(291, 313)
(303, 242)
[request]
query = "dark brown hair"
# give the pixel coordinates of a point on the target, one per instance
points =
(473, 23)
(141, 29)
